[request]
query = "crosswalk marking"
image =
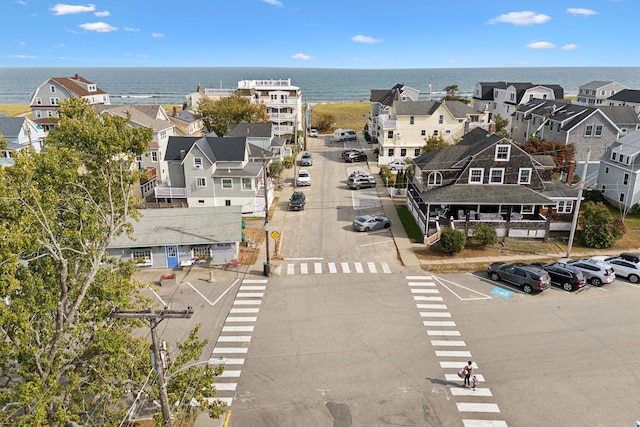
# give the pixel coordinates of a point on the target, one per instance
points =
(303, 268)
(432, 306)
(358, 266)
(448, 353)
(385, 268)
(424, 291)
(439, 323)
(233, 373)
(337, 267)
(437, 343)
(477, 407)
(444, 333)
(457, 391)
(241, 319)
(234, 338)
(249, 294)
(290, 268)
(418, 278)
(345, 267)
(245, 310)
(230, 350)
(423, 298)
(254, 281)
(317, 268)
(484, 423)
(372, 267)
(434, 314)
(455, 364)
(247, 302)
(332, 268)
(454, 377)
(237, 329)
(226, 400)
(226, 386)
(421, 284)
(252, 288)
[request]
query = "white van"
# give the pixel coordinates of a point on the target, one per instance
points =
(344, 135)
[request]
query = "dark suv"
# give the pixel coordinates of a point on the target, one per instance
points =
(297, 201)
(529, 277)
(567, 277)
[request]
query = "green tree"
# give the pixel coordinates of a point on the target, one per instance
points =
(401, 179)
(63, 358)
(485, 235)
(452, 241)
(452, 94)
(599, 227)
(275, 169)
(433, 143)
(501, 126)
(219, 115)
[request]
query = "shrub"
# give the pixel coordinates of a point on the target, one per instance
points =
(600, 229)
(485, 235)
(593, 196)
(452, 241)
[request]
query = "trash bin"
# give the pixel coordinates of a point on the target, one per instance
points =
(265, 269)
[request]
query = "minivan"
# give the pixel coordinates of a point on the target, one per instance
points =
(341, 135)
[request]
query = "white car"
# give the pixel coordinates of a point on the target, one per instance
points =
(313, 133)
(303, 179)
(397, 165)
(622, 267)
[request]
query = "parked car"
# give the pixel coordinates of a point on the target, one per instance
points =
(344, 135)
(348, 151)
(622, 267)
(357, 172)
(397, 165)
(313, 133)
(370, 222)
(635, 258)
(362, 181)
(355, 157)
(529, 277)
(306, 159)
(303, 178)
(297, 201)
(565, 276)
(596, 272)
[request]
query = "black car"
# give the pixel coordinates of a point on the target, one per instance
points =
(566, 277)
(356, 157)
(348, 151)
(297, 201)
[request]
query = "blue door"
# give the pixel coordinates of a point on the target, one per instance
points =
(172, 256)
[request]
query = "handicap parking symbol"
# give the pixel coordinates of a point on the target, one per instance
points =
(502, 293)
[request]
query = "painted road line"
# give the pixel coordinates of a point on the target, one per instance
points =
(233, 373)
(345, 267)
(372, 267)
(358, 266)
(250, 295)
(225, 386)
(332, 268)
(242, 319)
(227, 400)
(437, 343)
(457, 391)
(477, 407)
(225, 361)
(247, 302)
(244, 310)
(421, 284)
(423, 298)
(455, 377)
(317, 267)
(418, 277)
(451, 353)
(435, 314)
(484, 423)
(385, 268)
(455, 364)
(438, 323)
(237, 329)
(303, 268)
(254, 281)
(432, 306)
(444, 333)
(234, 338)
(252, 288)
(291, 269)
(230, 350)
(424, 291)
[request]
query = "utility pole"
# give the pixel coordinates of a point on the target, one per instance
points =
(576, 211)
(154, 320)
(266, 271)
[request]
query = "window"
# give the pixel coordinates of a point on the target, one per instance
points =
(564, 206)
(391, 152)
(524, 176)
(440, 119)
(621, 198)
(162, 135)
(447, 131)
(54, 101)
(550, 125)
(434, 178)
(200, 251)
(423, 132)
(227, 202)
(49, 113)
(412, 120)
(588, 131)
(154, 156)
(502, 152)
(598, 130)
(247, 184)
(621, 158)
(526, 209)
(201, 182)
(39, 101)
(52, 89)
(625, 181)
(606, 169)
(603, 189)
(614, 155)
(141, 255)
(227, 183)
(197, 162)
(403, 152)
(389, 134)
(201, 201)
(435, 132)
(476, 176)
(38, 114)
(496, 175)
(416, 152)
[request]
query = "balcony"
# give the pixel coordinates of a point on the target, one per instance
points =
(282, 117)
(280, 103)
(386, 123)
(170, 192)
(282, 130)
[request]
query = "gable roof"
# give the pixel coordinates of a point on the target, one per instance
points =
(626, 95)
(621, 114)
(595, 84)
(255, 130)
(216, 148)
(10, 127)
(389, 96)
(417, 108)
(72, 85)
(140, 114)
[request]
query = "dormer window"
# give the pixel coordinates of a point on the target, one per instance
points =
(91, 88)
(502, 152)
(197, 162)
(434, 178)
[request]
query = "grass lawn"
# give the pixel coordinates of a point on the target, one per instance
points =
(347, 115)
(410, 227)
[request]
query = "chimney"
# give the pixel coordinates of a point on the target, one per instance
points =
(76, 76)
(182, 154)
(175, 111)
(492, 127)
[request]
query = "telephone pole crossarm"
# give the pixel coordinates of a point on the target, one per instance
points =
(147, 314)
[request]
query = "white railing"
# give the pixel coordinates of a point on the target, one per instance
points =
(170, 192)
(282, 116)
(386, 123)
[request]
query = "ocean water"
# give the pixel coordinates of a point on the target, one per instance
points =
(170, 85)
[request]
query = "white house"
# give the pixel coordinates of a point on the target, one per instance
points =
(595, 93)
(21, 133)
(619, 174)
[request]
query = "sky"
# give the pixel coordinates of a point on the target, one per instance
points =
(365, 34)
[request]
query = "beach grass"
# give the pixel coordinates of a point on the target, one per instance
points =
(347, 115)
(14, 110)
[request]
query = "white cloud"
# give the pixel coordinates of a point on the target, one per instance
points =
(274, 2)
(365, 39)
(541, 45)
(20, 2)
(98, 27)
(22, 56)
(132, 30)
(358, 60)
(157, 35)
(69, 9)
(521, 18)
(581, 11)
(570, 46)
(453, 60)
(103, 13)
(302, 56)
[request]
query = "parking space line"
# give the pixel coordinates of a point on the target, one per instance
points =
(158, 296)
(443, 282)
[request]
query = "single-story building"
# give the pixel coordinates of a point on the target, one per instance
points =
(168, 238)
